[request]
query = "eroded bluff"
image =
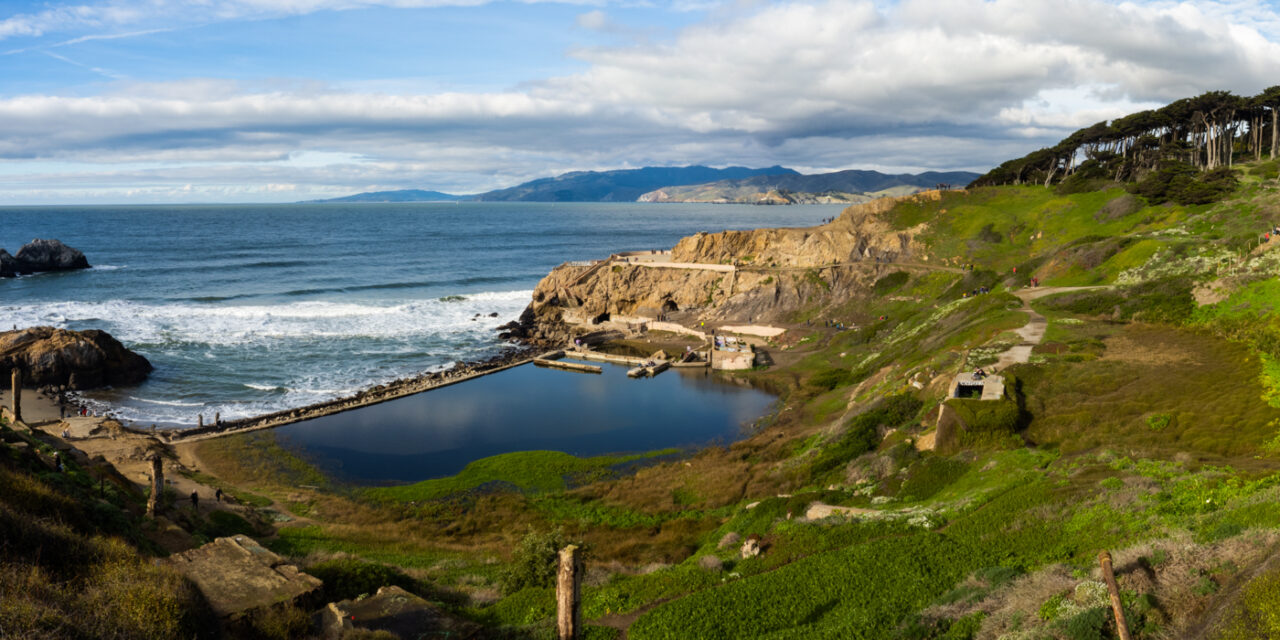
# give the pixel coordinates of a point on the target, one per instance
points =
(759, 275)
(78, 359)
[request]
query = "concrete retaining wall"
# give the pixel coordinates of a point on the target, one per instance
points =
(676, 328)
(733, 360)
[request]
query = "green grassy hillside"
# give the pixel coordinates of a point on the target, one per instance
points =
(1145, 422)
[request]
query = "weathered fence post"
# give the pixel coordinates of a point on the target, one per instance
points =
(568, 590)
(1122, 627)
(200, 421)
(157, 485)
(16, 405)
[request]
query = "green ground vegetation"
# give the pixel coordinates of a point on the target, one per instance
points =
(1147, 422)
(530, 471)
(75, 562)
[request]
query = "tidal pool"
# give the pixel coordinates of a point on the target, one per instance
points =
(436, 433)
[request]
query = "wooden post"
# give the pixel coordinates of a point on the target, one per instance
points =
(157, 485)
(1122, 627)
(568, 592)
(16, 404)
(200, 421)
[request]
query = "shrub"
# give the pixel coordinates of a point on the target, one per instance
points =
(987, 421)
(281, 622)
(1257, 613)
(1118, 207)
(1184, 184)
(534, 561)
(1086, 625)
(349, 578)
(829, 379)
(930, 476)
(989, 235)
(1158, 421)
(226, 523)
(891, 282)
(863, 432)
(1091, 175)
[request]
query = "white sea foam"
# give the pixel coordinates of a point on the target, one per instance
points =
(167, 403)
(265, 387)
(229, 325)
(300, 353)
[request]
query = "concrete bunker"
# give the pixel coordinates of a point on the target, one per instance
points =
(974, 387)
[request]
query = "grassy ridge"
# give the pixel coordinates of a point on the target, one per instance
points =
(533, 471)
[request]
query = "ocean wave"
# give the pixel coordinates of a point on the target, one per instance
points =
(107, 267)
(194, 323)
(254, 359)
(265, 387)
(392, 286)
(275, 263)
(167, 403)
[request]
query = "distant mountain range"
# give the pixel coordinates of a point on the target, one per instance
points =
(402, 195)
(770, 185)
(842, 186)
(625, 185)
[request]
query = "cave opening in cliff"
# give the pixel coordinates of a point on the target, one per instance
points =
(669, 305)
(604, 317)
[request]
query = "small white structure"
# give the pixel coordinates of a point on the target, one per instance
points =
(969, 385)
(731, 354)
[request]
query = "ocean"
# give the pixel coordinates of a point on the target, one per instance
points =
(249, 309)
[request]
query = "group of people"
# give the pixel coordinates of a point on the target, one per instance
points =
(195, 497)
(979, 373)
(81, 411)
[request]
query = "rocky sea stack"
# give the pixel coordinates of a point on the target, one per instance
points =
(41, 255)
(78, 359)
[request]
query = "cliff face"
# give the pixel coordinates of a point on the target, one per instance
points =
(859, 233)
(762, 274)
(78, 359)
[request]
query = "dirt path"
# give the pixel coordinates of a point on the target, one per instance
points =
(1032, 333)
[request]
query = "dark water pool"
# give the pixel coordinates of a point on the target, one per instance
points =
(435, 434)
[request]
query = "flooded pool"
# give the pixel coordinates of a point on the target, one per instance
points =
(436, 433)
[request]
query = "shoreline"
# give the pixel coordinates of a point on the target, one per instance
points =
(377, 394)
(41, 407)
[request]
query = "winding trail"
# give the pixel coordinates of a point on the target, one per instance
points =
(1032, 333)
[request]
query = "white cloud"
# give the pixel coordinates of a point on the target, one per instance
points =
(595, 20)
(830, 85)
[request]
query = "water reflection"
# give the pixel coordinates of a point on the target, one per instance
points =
(437, 433)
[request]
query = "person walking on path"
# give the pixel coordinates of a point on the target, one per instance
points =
(217, 495)
(195, 500)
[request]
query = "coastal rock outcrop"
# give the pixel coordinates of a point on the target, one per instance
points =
(761, 275)
(41, 255)
(78, 359)
(859, 233)
(8, 264)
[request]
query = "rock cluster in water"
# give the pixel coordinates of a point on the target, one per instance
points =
(49, 357)
(41, 255)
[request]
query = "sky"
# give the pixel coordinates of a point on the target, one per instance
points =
(195, 101)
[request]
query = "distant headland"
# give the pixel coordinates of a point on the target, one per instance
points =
(733, 185)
